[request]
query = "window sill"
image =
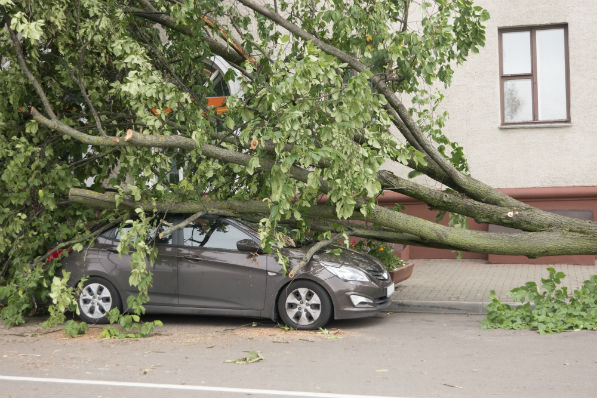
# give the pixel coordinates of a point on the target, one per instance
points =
(535, 125)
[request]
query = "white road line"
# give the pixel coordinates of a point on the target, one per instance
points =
(187, 387)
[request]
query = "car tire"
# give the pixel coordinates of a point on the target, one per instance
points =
(304, 305)
(96, 299)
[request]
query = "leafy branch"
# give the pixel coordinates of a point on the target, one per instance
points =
(550, 309)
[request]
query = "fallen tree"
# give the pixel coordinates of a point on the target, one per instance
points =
(105, 94)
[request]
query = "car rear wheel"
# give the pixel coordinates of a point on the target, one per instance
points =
(304, 305)
(96, 299)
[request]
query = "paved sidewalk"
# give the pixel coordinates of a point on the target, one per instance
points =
(463, 286)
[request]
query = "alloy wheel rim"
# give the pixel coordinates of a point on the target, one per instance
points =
(303, 306)
(95, 300)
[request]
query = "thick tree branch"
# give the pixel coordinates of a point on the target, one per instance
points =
(237, 47)
(530, 244)
(405, 16)
(369, 231)
(216, 46)
(241, 51)
(230, 207)
(523, 218)
(171, 141)
(57, 125)
(533, 244)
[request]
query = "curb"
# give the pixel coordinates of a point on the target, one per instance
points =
(439, 307)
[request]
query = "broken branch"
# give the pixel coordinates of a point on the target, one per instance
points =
(311, 252)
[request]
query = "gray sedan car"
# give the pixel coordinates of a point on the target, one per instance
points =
(214, 267)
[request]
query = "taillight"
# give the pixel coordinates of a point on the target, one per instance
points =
(57, 254)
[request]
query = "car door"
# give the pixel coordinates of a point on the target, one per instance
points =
(213, 273)
(164, 290)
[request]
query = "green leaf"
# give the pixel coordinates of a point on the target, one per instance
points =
(253, 165)
(229, 123)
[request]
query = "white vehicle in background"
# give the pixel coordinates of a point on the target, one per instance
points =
(217, 67)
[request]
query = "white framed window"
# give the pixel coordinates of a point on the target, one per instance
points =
(534, 74)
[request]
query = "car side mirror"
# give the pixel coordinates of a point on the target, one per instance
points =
(248, 245)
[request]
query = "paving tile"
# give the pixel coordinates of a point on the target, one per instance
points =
(472, 280)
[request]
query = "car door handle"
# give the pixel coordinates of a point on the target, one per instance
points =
(191, 258)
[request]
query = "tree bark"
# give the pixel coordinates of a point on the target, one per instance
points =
(520, 217)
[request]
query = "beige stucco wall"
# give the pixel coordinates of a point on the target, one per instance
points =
(528, 157)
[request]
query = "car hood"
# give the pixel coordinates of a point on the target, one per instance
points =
(347, 257)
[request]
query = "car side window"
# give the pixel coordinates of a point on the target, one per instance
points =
(212, 234)
(194, 233)
(109, 234)
(120, 232)
(117, 233)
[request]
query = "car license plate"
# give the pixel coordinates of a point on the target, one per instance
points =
(390, 290)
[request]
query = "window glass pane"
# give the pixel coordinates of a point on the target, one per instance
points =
(167, 240)
(109, 234)
(212, 234)
(551, 74)
(173, 175)
(225, 236)
(516, 52)
(193, 234)
(518, 102)
(121, 231)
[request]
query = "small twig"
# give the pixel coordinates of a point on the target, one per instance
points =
(33, 334)
(76, 164)
(238, 327)
(77, 240)
(311, 252)
(96, 117)
(451, 385)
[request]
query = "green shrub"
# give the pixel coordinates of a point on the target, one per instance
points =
(381, 251)
(549, 310)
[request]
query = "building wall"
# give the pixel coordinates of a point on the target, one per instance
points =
(565, 155)
(551, 167)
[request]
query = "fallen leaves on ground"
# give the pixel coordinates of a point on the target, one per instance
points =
(330, 334)
(254, 356)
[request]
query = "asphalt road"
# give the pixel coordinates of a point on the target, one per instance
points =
(399, 355)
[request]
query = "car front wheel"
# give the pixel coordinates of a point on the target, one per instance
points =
(304, 305)
(96, 299)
